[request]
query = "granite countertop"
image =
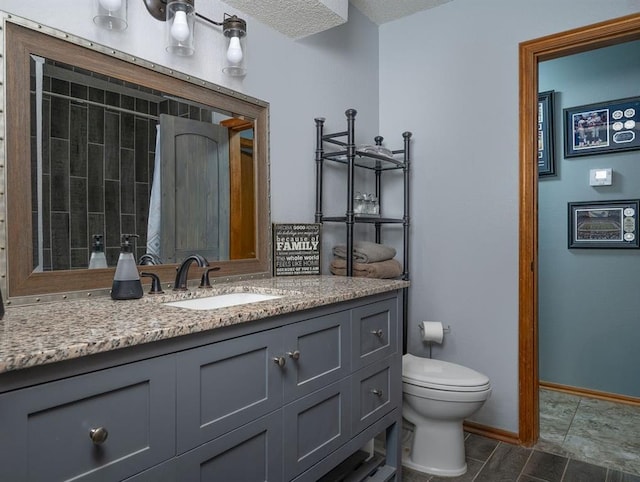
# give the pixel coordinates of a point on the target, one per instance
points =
(38, 334)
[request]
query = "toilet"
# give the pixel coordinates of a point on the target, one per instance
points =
(437, 397)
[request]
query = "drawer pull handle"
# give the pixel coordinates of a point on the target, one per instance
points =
(378, 333)
(98, 435)
(280, 361)
(295, 354)
(377, 392)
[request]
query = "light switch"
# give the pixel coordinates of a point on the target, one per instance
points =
(600, 177)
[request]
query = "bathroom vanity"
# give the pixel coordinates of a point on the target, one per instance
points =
(283, 389)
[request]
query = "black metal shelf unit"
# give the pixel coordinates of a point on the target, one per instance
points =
(347, 153)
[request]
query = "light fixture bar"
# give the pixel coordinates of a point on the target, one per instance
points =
(180, 16)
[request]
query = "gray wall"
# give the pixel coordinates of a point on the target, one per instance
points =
(450, 74)
(321, 75)
(588, 317)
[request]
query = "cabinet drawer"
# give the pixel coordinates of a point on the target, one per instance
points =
(316, 353)
(252, 453)
(374, 332)
(375, 392)
(315, 426)
(225, 385)
(46, 429)
(165, 472)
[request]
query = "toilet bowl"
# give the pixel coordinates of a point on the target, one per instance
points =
(437, 397)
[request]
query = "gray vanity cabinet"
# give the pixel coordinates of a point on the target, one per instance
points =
(105, 425)
(374, 332)
(251, 453)
(228, 384)
(280, 400)
(316, 353)
(225, 385)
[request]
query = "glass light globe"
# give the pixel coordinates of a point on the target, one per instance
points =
(111, 5)
(234, 52)
(180, 27)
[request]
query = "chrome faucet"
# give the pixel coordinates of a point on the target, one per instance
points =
(181, 276)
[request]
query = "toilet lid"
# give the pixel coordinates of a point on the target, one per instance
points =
(442, 375)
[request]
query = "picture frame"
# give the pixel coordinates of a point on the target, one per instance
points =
(612, 126)
(546, 162)
(296, 249)
(603, 224)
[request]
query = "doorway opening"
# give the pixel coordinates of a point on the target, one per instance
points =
(532, 52)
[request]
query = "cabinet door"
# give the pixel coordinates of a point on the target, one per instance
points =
(316, 353)
(252, 453)
(46, 429)
(227, 384)
(375, 392)
(315, 426)
(374, 331)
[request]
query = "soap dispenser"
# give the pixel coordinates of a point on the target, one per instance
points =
(97, 259)
(126, 282)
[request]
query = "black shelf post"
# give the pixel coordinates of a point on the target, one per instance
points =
(319, 154)
(406, 222)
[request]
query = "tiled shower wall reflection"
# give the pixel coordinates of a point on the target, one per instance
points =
(97, 168)
(96, 172)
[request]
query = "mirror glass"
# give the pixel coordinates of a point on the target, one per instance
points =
(114, 159)
(109, 147)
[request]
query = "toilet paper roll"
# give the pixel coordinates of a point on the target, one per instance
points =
(432, 331)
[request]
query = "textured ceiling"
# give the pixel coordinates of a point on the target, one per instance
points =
(301, 18)
(295, 18)
(381, 11)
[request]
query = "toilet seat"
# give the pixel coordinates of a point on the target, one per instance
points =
(442, 375)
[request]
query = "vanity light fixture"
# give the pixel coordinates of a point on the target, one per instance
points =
(180, 16)
(111, 14)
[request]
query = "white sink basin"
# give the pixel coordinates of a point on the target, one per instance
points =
(222, 301)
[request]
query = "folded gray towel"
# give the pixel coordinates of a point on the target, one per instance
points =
(366, 252)
(390, 268)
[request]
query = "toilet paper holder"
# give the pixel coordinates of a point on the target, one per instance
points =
(445, 329)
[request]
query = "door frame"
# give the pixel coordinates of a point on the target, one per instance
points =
(603, 34)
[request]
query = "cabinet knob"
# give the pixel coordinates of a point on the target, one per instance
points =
(280, 361)
(377, 392)
(295, 354)
(378, 333)
(98, 435)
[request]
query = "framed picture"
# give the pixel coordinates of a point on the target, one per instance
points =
(605, 127)
(296, 249)
(546, 164)
(603, 224)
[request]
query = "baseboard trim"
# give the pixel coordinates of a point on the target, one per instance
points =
(491, 432)
(585, 392)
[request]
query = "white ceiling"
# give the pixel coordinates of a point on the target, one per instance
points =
(382, 11)
(301, 18)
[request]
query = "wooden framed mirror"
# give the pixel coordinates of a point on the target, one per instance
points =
(80, 159)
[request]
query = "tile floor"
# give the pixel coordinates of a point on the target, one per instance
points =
(591, 430)
(582, 440)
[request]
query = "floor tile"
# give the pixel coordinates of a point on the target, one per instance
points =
(473, 467)
(409, 475)
(505, 464)
(617, 476)
(600, 432)
(545, 466)
(478, 447)
(557, 410)
(578, 471)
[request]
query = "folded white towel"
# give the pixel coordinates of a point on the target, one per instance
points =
(366, 252)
